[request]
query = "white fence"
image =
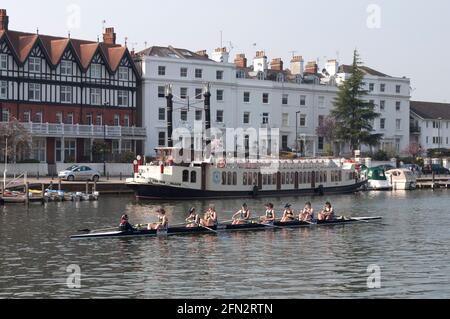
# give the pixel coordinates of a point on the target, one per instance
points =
(33, 170)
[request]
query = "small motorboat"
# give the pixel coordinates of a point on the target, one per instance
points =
(376, 179)
(402, 179)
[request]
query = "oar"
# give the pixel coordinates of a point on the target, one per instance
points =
(210, 229)
(96, 230)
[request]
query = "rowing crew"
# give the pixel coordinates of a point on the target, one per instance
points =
(242, 217)
(306, 214)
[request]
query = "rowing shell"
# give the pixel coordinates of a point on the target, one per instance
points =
(221, 228)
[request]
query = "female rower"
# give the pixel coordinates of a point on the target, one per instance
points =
(307, 214)
(288, 215)
(270, 214)
(210, 219)
(242, 217)
(328, 213)
(163, 221)
(194, 219)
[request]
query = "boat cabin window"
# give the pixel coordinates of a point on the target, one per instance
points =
(185, 176)
(224, 178)
(193, 177)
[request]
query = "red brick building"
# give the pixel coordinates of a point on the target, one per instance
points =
(68, 93)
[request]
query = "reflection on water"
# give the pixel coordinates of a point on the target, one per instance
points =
(410, 245)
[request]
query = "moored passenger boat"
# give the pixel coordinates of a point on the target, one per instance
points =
(241, 178)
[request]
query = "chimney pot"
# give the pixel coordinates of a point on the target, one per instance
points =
(4, 20)
(109, 37)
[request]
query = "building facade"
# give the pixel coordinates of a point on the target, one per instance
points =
(430, 125)
(262, 95)
(69, 93)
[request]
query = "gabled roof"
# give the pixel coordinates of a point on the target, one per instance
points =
(22, 43)
(431, 110)
(171, 52)
(369, 71)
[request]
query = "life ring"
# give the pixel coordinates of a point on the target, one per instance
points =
(222, 163)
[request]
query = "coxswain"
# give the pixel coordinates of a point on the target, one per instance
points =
(328, 213)
(125, 224)
(193, 220)
(269, 217)
(288, 215)
(242, 217)
(307, 214)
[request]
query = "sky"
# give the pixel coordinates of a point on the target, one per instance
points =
(397, 37)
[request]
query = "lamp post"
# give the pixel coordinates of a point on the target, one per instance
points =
(207, 96)
(297, 114)
(169, 97)
(439, 134)
(104, 137)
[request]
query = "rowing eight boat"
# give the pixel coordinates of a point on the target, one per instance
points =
(221, 228)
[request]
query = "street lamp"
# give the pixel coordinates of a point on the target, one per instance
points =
(297, 114)
(439, 134)
(104, 137)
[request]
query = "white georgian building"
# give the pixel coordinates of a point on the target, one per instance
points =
(430, 125)
(261, 95)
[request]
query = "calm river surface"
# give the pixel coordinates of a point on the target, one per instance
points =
(411, 245)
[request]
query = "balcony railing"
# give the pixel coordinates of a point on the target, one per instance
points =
(86, 131)
(415, 129)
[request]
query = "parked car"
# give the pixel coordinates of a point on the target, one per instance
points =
(80, 173)
(435, 168)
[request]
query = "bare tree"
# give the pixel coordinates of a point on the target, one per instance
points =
(19, 139)
(414, 149)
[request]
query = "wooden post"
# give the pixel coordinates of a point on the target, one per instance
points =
(87, 188)
(434, 181)
(59, 184)
(43, 193)
(95, 187)
(51, 185)
(27, 193)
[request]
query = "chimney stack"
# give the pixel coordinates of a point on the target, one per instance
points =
(109, 37)
(260, 62)
(240, 61)
(221, 55)
(202, 53)
(277, 65)
(297, 65)
(312, 68)
(4, 20)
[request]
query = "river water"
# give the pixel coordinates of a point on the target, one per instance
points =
(410, 247)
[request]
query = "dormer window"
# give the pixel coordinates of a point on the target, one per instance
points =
(298, 79)
(34, 65)
(280, 77)
(240, 74)
(261, 76)
(96, 71)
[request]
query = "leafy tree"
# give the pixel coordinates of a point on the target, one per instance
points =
(354, 115)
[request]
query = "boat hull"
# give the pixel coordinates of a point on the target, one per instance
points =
(162, 192)
(178, 231)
